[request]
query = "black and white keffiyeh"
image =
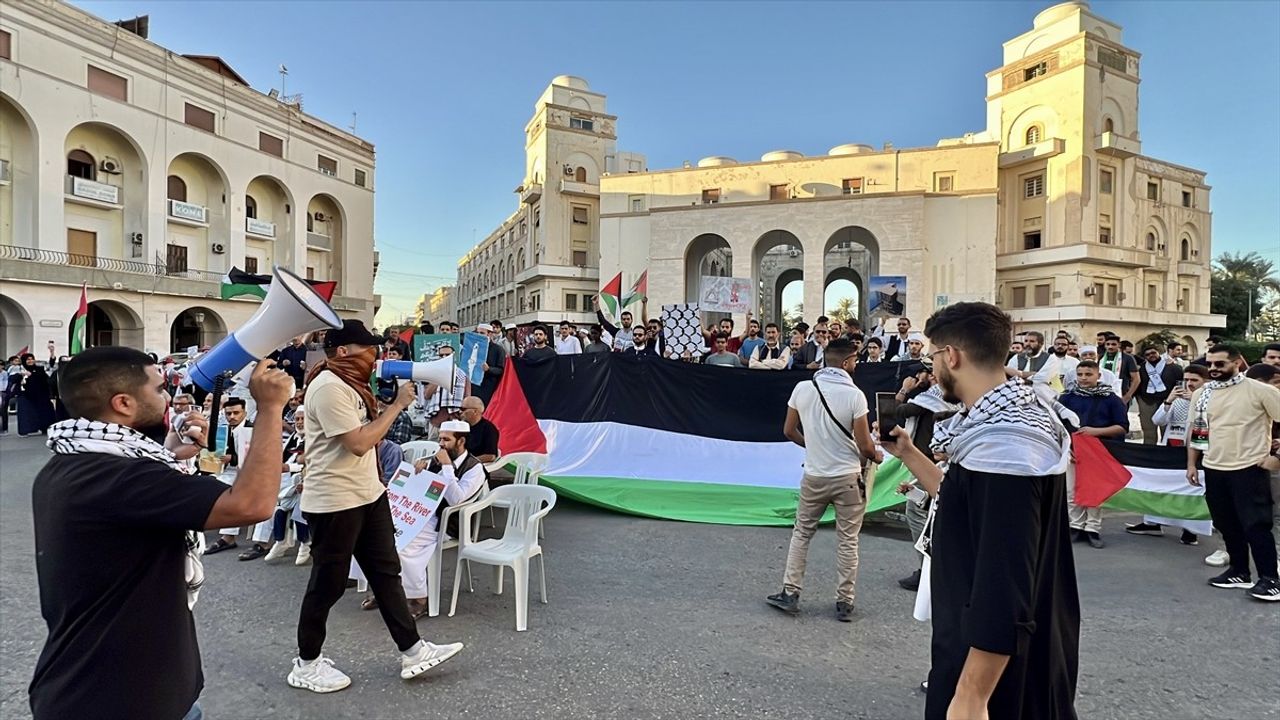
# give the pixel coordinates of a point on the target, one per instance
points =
(80, 436)
(1010, 430)
(1099, 390)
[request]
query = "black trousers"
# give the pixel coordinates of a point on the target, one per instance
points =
(367, 533)
(1240, 505)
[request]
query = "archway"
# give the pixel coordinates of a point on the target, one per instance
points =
(18, 195)
(778, 252)
(708, 255)
(109, 323)
(105, 201)
(196, 326)
(326, 232)
(15, 327)
(788, 295)
(842, 294)
(268, 223)
(196, 206)
(851, 254)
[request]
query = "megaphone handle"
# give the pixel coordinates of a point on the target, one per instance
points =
(214, 409)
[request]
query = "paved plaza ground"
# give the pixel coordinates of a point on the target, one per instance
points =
(652, 619)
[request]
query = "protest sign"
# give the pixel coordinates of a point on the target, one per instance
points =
(888, 296)
(427, 347)
(475, 348)
(682, 329)
(725, 294)
(414, 497)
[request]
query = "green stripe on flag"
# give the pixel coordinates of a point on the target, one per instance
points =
(713, 502)
(232, 290)
(77, 335)
(1182, 507)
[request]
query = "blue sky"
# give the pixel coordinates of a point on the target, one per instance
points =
(444, 90)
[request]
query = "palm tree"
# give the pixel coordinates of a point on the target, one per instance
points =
(1242, 283)
(1249, 269)
(844, 310)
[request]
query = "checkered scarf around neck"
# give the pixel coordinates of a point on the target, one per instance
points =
(82, 436)
(1008, 431)
(1206, 391)
(1099, 390)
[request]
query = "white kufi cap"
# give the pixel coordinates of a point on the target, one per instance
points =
(457, 426)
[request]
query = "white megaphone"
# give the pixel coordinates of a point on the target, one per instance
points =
(439, 371)
(292, 307)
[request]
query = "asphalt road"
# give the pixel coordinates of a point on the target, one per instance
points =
(652, 619)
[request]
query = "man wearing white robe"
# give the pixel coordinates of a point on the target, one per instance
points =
(467, 476)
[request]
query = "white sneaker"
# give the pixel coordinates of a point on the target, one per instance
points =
(424, 657)
(319, 675)
(304, 554)
(276, 552)
(1219, 558)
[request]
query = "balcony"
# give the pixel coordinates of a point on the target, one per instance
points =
(1032, 153)
(186, 213)
(530, 194)
(50, 266)
(254, 226)
(94, 194)
(316, 241)
(1118, 146)
(570, 187)
(1076, 252)
(1190, 268)
(567, 272)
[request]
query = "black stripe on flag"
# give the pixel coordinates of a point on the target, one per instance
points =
(1154, 457)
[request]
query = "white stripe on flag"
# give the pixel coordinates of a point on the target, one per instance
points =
(1168, 482)
(606, 449)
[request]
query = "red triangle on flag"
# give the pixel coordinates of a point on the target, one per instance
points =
(509, 411)
(1098, 474)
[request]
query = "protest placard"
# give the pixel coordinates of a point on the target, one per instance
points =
(475, 348)
(414, 497)
(725, 294)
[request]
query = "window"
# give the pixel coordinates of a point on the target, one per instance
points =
(311, 273)
(1151, 241)
(1042, 295)
(198, 117)
(586, 301)
(109, 84)
(537, 217)
(1098, 289)
(1031, 240)
(360, 178)
(570, 301)
(1153, 191)
(1184, 252)
(311, 222)
(82, 246)
(779, 192)
(6, 45)
(637, 203)
(852, 186)
(176, 258)
(1108, 125)
(80, 164)
(580, 258)
(1186, 198)
(250, 207)
(177, 189)
(1112, 59)
(1033, 186)
(711, 196)
(1113, 294)
(580, 174)
(1151, 296)
(580, 215)
(943, 182)
(1020, 296)
(1033, 135)
(1185, 303)
(1035, 71)
(1104, 235)
(251, 265)
(1105, 180)
(578, 123)
(271, 144)
(326, 165)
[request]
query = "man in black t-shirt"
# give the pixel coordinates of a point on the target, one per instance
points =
(122, 641)
(482, 441)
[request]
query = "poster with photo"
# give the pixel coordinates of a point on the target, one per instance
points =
(887, 298)
(725, 294)
(475, 348)
(427, 347)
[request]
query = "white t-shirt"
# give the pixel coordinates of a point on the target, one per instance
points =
(828, 451)
(568, 345)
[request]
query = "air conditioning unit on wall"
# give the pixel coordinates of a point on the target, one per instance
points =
(218, 249)
(110, 165)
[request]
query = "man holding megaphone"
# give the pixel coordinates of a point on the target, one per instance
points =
(347, 509)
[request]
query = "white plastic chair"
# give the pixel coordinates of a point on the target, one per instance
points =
(526, 506)
(529, 467)
(415, 450)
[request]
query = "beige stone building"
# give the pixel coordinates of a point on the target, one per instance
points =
(542, 261)
(1052, 212)
(438, 306)
(148, 175)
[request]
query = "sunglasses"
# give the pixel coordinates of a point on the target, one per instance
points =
(1221, 364)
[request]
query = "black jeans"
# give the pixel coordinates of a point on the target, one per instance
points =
(1240, 505)
(367, 533)
(280, 526)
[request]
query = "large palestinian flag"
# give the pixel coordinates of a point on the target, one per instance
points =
(238, 283)
(1146, 479)
(668, 439)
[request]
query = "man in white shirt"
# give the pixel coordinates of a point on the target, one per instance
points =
(566, 342)
(771, 355)
(914, 350)
(467, 476)
(836, 439)
(894, 345)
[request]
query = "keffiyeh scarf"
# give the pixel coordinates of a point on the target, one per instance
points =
(1155, 377)
(1098, 390)
(1202, 406)
(80, 436)
(1010, 431)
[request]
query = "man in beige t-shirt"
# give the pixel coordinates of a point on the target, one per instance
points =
(347, 511)
(1230, 426)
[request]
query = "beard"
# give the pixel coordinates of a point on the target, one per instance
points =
(1224, 374)
(947, 384)
(154, 429)
(1060, 353)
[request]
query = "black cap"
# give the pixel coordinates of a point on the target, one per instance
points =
(352, 332)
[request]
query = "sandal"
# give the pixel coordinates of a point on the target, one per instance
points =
(253, 553)
(369, 603)
(416, 611)
(219, 547)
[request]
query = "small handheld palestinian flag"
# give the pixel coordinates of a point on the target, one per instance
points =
(238, 283)
(79, 322)
(609, 296)
(639, 292)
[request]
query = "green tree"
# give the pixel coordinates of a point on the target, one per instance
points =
(1159, 340)
(1241, 286)
(790, 317)
(844, 310)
